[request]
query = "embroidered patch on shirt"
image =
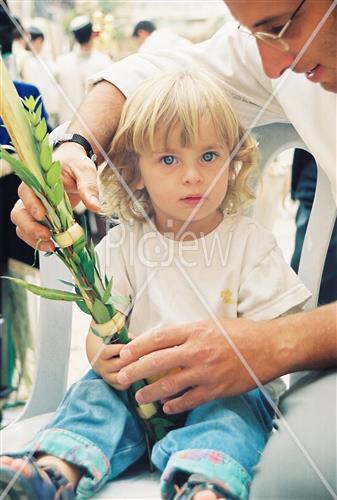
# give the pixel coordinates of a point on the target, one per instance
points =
(226, 296)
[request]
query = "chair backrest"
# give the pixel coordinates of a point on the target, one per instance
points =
(273, 139)
(54, 328)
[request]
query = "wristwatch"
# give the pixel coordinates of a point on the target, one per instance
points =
(78, 139)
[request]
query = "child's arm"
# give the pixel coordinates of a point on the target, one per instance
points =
(105, 360)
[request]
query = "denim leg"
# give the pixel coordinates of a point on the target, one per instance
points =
(92, 428)
(222, 439)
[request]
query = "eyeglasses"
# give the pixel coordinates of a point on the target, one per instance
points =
(275, 41)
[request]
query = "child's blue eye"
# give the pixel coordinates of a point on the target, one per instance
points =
(208, 156)
(168, 160)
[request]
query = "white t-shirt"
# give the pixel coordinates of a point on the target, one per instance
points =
(235, 59)
(237, 270)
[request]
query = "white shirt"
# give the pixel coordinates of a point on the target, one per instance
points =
(163, 39)
(235, 59)
(73, 71)
(237, 270)
(41, 73)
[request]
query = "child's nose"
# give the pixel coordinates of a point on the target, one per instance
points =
(192, 175)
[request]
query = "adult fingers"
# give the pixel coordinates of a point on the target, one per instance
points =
(31, 202)
(187, 401)
(153, 341)
(33, 233)
(170, 385)
(152, 364)
(40, 245)
(85, 175)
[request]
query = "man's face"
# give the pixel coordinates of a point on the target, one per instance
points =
(319, 60)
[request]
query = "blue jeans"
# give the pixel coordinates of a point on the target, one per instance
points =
(94, 429)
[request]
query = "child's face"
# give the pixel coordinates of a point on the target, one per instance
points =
(179, 180)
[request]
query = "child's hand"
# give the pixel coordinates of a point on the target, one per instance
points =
(108, 364)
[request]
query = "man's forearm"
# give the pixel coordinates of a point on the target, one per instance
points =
(307, 340)
(98, 116)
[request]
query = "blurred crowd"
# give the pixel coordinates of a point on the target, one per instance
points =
(62, 81)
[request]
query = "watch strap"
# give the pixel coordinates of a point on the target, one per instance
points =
(78, 139)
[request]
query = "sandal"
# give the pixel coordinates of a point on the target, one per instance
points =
(198, 482)
(43, 483)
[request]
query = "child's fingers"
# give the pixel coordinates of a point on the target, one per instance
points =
(113, 365)
(111, 351)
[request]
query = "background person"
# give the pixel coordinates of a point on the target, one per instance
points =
(20, 47)
(36, 39)
(40, 71)
(150, 39)
(74, 68)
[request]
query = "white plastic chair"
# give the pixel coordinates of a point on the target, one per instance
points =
(54, 325)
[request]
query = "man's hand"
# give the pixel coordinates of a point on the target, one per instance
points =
(80, 181)
(108, 364)
(102, 109)
(216, 360)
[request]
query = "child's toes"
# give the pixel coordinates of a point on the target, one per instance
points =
(17, 464)
(205, 495)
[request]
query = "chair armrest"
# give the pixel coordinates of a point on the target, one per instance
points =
(53, 339)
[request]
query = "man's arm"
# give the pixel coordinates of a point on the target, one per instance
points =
(96, 120)
(311, 337)
(229, 357)
(98, 116)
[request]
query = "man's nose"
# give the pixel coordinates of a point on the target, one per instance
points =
(274, 61)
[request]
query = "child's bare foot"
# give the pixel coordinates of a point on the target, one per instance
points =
(203, 495)
(206, 495)
(202, 488)
(25, 478)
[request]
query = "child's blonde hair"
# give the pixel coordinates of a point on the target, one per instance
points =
(181, 99)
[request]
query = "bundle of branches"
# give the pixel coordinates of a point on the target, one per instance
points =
(92, 290)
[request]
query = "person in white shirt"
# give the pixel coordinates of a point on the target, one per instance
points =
(20, 47)
(187, 160)
(152, 39)
(73, 69)
(293, 79)
(40, 70)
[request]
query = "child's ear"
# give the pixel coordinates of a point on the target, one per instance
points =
(140, 183)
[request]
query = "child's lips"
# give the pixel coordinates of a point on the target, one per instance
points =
(193, 199)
